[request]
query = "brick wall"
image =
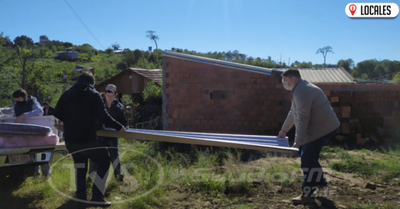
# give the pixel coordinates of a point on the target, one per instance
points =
(201, 97)
(372, 105)
(206, 98)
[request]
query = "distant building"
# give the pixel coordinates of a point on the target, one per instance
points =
(43, 38)
(119, 51)
(67, 55)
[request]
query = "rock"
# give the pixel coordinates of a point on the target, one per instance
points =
(370, 185)
(257, 182)
(207, 204)
(216, 201)
(275, 189)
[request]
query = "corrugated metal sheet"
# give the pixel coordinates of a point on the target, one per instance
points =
(222, 63)
(154, 75)
(324, 75)
(254, 142)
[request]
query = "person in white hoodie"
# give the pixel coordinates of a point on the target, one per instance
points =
(316, 124)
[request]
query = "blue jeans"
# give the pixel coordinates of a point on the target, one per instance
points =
(112, 145)
(81, 157)
(312, 170)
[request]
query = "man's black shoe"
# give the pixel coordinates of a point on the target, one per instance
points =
(120, 178)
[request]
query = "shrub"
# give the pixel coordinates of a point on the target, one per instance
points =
(152, 92)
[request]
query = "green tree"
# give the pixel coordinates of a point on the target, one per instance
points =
(129, 58)
(84, 48)
(324, 51)
(152, 92)
(6, 42)
(304, 65)
(396, 78)
(67, 44)
(6, 56)
(346, 64)
(368, 67)
(23, 41)
(115, 46)
(151, 36)
(109, 51)
(24, 66)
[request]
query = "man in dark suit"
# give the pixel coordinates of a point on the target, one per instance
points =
(47, 110)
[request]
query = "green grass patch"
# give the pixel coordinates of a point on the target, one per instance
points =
(385, 168)
(329, 152)
(372, 206)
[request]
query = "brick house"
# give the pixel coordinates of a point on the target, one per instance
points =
(209, 95)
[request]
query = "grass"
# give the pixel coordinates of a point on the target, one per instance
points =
(153, 175)
(372, 206)
(384, 168)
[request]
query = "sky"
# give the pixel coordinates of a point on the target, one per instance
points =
(286, 30)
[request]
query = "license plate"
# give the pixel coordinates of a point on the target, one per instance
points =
(18, 158)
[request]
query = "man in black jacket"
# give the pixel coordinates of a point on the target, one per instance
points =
(80, 108)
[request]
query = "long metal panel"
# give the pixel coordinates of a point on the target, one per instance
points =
(253, 142)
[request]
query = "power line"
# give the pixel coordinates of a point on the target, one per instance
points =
(84, 24)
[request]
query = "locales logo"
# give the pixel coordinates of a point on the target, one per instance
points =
(372, 10)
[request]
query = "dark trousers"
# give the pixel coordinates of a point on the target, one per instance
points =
(112, 145)
(312, 170)
(81, 153)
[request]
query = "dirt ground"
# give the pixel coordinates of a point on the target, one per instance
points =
(344, 189)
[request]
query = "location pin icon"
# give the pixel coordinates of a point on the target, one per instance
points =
(352, 9)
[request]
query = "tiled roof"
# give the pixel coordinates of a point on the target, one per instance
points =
(324, 75)
(154, 75)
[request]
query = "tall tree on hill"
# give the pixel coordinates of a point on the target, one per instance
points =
(115, 46)
(151, 36)
(324, 51)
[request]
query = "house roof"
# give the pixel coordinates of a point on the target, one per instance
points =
(222, 63)
(154, 75)
(324, 75)
(313, 75)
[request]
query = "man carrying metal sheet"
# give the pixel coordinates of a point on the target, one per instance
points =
(316, 125)
(80, 108)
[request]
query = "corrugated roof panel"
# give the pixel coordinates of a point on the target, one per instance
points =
(314, 75)
(324, 75)
(222, 63)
